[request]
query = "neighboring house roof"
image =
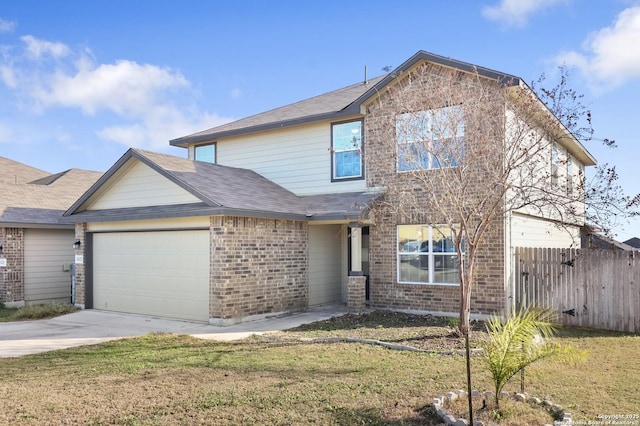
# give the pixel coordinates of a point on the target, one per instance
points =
(222, 190)
(13, 172)
(633, 242)
(333, 105)
(593, 240)
(34, 198)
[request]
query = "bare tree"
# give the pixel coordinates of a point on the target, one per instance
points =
(607, 204)
(467, 151)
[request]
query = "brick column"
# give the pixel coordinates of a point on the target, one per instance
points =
(12, 275)
(81, 229)
(356, 293)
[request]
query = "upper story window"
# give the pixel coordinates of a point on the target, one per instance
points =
(346, 149)
(427, 255)
(430, 139)
(205, 153)
(555, 163)
(569, 174)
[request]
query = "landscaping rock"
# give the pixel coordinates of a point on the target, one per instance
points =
(535, 400)
(461, 422)
(449, 420)
(452, 396)
(520, 397)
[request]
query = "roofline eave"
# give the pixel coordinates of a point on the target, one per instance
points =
(185, 141)
(130, 214)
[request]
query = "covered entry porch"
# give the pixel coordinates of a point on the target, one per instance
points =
(338, 264)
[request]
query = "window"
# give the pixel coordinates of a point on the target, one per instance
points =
(569, 175)
(555, 161)
(431, 139)
(427, 255)
(206, 153)
(346, 148)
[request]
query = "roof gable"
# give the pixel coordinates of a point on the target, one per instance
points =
(204, 189)
(140, 186)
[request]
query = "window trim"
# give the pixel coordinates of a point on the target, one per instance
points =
(569, 176)
(430, 255)
(333, 152)
(215, 152)
(555, 164)
(427, 140)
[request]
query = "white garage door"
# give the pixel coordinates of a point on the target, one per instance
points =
(159, 273)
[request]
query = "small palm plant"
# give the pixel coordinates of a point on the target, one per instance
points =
(516, 343)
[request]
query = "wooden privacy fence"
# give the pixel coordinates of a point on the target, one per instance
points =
(587, 287)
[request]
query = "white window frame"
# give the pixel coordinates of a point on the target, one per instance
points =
(215, 152)
(555, 164)
(357, 149)
(569, 176)
(420, 132)
(404, 256)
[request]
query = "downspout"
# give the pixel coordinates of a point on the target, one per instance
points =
(73, 283)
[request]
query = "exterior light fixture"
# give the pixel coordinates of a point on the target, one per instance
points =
(77, 244)
(0, 249)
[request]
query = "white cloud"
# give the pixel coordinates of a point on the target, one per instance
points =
(145, 105)
(517, 12)
(6, 26)
(8, 76)
(38, 48)
(610, 57)
(126, 88)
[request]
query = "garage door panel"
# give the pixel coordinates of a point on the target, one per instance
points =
(161, 273)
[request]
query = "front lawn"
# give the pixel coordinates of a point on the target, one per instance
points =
(31, 312)
(170, 379)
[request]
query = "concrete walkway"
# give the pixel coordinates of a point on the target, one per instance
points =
(89, 327)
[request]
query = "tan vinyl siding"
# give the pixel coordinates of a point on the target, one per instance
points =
(45, 253)
(325, 264)
(298, 158)
(527, 231)
(142, 186)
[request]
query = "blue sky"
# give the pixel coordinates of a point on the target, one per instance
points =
(81, 81)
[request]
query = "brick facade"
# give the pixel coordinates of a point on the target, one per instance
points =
(12, 276)
(385, 292)
(258, 266)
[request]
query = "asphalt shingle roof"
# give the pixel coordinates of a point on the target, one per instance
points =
(224, 190)
(35, 197)
(317, 106)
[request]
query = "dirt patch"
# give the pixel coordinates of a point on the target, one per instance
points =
(424, 332)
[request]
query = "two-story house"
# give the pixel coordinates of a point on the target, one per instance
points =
(275, 212)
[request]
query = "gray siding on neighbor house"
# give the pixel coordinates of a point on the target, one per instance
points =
(46, 252)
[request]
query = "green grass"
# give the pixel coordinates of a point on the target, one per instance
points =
(31, 312)
(163, 379)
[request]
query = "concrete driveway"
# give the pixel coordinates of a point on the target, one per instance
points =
(89, 327)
